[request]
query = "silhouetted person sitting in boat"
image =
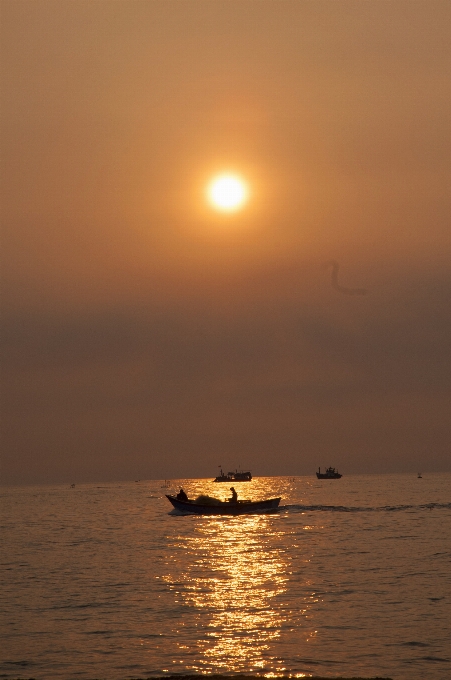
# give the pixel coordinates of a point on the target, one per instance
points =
(234, 498)
(181, 496)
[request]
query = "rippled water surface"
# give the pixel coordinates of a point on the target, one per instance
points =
(351, 577)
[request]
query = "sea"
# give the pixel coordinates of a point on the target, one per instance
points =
(351, 577)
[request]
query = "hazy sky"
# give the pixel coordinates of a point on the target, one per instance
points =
(147, 335)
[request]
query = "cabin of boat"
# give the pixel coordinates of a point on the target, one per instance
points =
(237, 476)
(212, 506)
(331, 473)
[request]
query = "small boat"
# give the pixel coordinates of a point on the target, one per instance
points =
(223, 507)
(166, 484)
(419, 476)
(237, 476)
(331, 473)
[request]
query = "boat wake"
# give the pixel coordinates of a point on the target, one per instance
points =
(383, 508)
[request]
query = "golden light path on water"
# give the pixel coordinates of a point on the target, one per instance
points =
(237, 580)
(246, 578)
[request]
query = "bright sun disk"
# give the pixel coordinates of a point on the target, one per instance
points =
(227, 192)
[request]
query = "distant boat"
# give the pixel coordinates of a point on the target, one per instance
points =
(236, 476)
(166, 484)
(331, 473)
(419, 476)
(208, 507)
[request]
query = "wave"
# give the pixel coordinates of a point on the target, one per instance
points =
(383, 508)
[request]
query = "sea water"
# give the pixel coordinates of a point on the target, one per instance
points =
(352, 577)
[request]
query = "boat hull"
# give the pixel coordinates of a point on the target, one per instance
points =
(239, 508)
(236, 476)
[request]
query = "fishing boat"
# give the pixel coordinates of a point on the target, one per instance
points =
(205, 505)
(237, 476)
(331, 473)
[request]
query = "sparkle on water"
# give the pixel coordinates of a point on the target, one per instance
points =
(350, 578)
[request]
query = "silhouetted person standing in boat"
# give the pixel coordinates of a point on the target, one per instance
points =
(181, 496)
(234, 498)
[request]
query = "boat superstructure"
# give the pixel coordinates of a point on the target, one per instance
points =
(330, 473)
(237, 476)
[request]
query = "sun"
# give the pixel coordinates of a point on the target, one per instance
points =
(227, 192)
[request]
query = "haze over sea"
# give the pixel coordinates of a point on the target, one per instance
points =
(350, 578)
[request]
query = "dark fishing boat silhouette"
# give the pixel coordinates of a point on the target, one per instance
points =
(237, 476)
(204, 505)
(330, 473)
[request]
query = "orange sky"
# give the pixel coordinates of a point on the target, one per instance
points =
(146, 335)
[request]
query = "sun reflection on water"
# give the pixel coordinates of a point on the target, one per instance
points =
(235, 580)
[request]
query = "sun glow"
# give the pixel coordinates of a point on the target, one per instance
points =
(227, 192)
